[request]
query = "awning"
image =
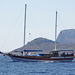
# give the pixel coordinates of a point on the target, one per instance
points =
(33, 51)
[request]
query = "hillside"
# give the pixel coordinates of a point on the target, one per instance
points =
(45, 44)
(66, 36)
(39, 43)
(65, 40)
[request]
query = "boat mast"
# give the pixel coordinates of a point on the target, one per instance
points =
(25, 24)
(55, 30)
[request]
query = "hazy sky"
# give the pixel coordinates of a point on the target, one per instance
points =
(40, 20)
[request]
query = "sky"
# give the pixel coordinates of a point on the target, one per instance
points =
(40, 20)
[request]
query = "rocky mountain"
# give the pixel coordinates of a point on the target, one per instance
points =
(38, 44)
(66, 36)
(65, 40)
(45, 44)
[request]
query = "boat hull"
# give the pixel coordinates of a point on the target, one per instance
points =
(40, 59)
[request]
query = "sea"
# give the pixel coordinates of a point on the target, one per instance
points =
(8, 67)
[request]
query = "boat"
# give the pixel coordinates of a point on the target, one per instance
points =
(55, 55)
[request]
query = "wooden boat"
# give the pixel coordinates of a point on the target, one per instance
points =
(54, 55)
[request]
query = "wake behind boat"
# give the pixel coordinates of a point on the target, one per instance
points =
(38, 55)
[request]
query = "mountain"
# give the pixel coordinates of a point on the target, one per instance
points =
(65, 40)
(66, 36)
(44, 44)
(39, 43)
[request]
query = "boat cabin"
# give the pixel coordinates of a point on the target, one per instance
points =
(62, 53)
(31, 52)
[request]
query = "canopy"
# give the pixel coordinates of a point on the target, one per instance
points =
(33, 51)
(63, 50)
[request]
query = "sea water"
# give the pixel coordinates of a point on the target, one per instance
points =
(7, 67)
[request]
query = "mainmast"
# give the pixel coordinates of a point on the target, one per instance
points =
(55, 30)
(25, 24)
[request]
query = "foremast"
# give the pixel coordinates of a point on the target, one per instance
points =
(25, 24)
(55, 29)
(24, 29)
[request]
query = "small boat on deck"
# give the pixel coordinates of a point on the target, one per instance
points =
(55, 55)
